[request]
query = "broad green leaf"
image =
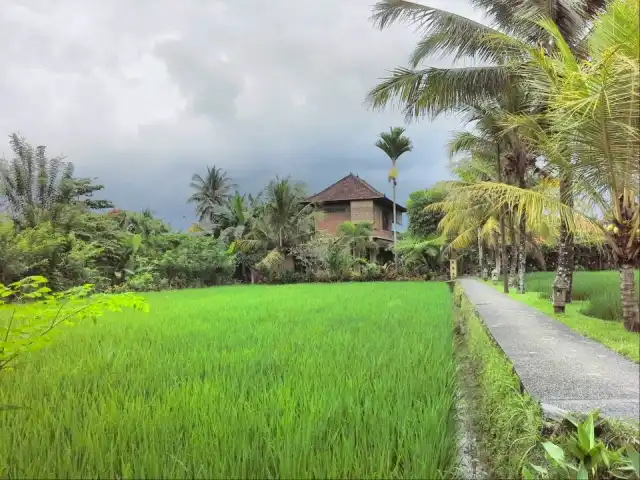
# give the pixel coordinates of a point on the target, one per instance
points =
(634, 457)
(539, 469)
(582, 474)
(586, 434)
(554, 451)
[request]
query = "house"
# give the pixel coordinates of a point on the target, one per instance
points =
(353, 199)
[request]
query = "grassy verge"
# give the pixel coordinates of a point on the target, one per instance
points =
(507, 422)
(299, 381)
(609, 333)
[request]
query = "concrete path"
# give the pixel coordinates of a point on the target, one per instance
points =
(558, 366)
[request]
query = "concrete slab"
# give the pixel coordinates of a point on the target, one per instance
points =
(557, 365)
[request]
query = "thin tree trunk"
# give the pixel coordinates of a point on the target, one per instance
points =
(566, 256)
(630, 311)
(480, 253)
(522, 252)
(513, 266)
(393, 222)
(571, 249)
(498, 258)
(503, 235)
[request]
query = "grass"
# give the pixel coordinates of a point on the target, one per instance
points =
(507, 423)
(590, 288)
(297, 381)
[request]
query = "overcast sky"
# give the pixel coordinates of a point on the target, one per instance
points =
(144, 93)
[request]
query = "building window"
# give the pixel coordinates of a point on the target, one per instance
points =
(386, 221)
(335, 209)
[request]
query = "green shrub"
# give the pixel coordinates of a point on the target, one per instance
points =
(197, 261)
(142, 282)
(31, 314)
(605, 305)
(582, 455)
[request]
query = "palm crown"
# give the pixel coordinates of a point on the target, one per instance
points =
(431, 91)
(394, 143)
(211, 192)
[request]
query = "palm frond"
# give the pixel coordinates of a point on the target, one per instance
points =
(434, 91)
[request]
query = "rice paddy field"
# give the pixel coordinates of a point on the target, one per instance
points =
(298, 381)
(599, 291)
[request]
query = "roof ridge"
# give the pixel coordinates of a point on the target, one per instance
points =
(332, 185)
(350, 187)
(370, 187)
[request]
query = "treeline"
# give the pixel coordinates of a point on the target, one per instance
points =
(53, 226)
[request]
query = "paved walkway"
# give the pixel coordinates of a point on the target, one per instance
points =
(557, 365)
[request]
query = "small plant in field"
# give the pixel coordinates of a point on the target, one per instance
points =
(30, 313)
(583, 457)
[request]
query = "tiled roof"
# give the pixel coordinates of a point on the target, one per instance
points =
(350, 187)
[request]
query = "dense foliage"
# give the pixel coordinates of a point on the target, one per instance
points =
(424, 223)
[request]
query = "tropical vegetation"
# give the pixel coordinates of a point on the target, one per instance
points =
(551, 152)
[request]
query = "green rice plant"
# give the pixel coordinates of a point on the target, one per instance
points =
(297, 381)
(599, 290)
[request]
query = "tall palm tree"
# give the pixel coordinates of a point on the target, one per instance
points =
(590, 128)
(210, 192)
(33, 184)
(394, 143)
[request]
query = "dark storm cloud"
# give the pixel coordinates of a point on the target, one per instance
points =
(143, 94)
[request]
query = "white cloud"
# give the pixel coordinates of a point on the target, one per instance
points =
(147, 92)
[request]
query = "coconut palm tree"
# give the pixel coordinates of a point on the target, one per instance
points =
(590, 128)
(394, 143)
(283, 222)
(210, 192)
(489, 136)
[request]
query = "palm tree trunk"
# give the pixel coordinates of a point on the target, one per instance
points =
(513, 266)
(522, 252)
(630, 310)
(566, 256)
(393, 222)
(503, 235)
